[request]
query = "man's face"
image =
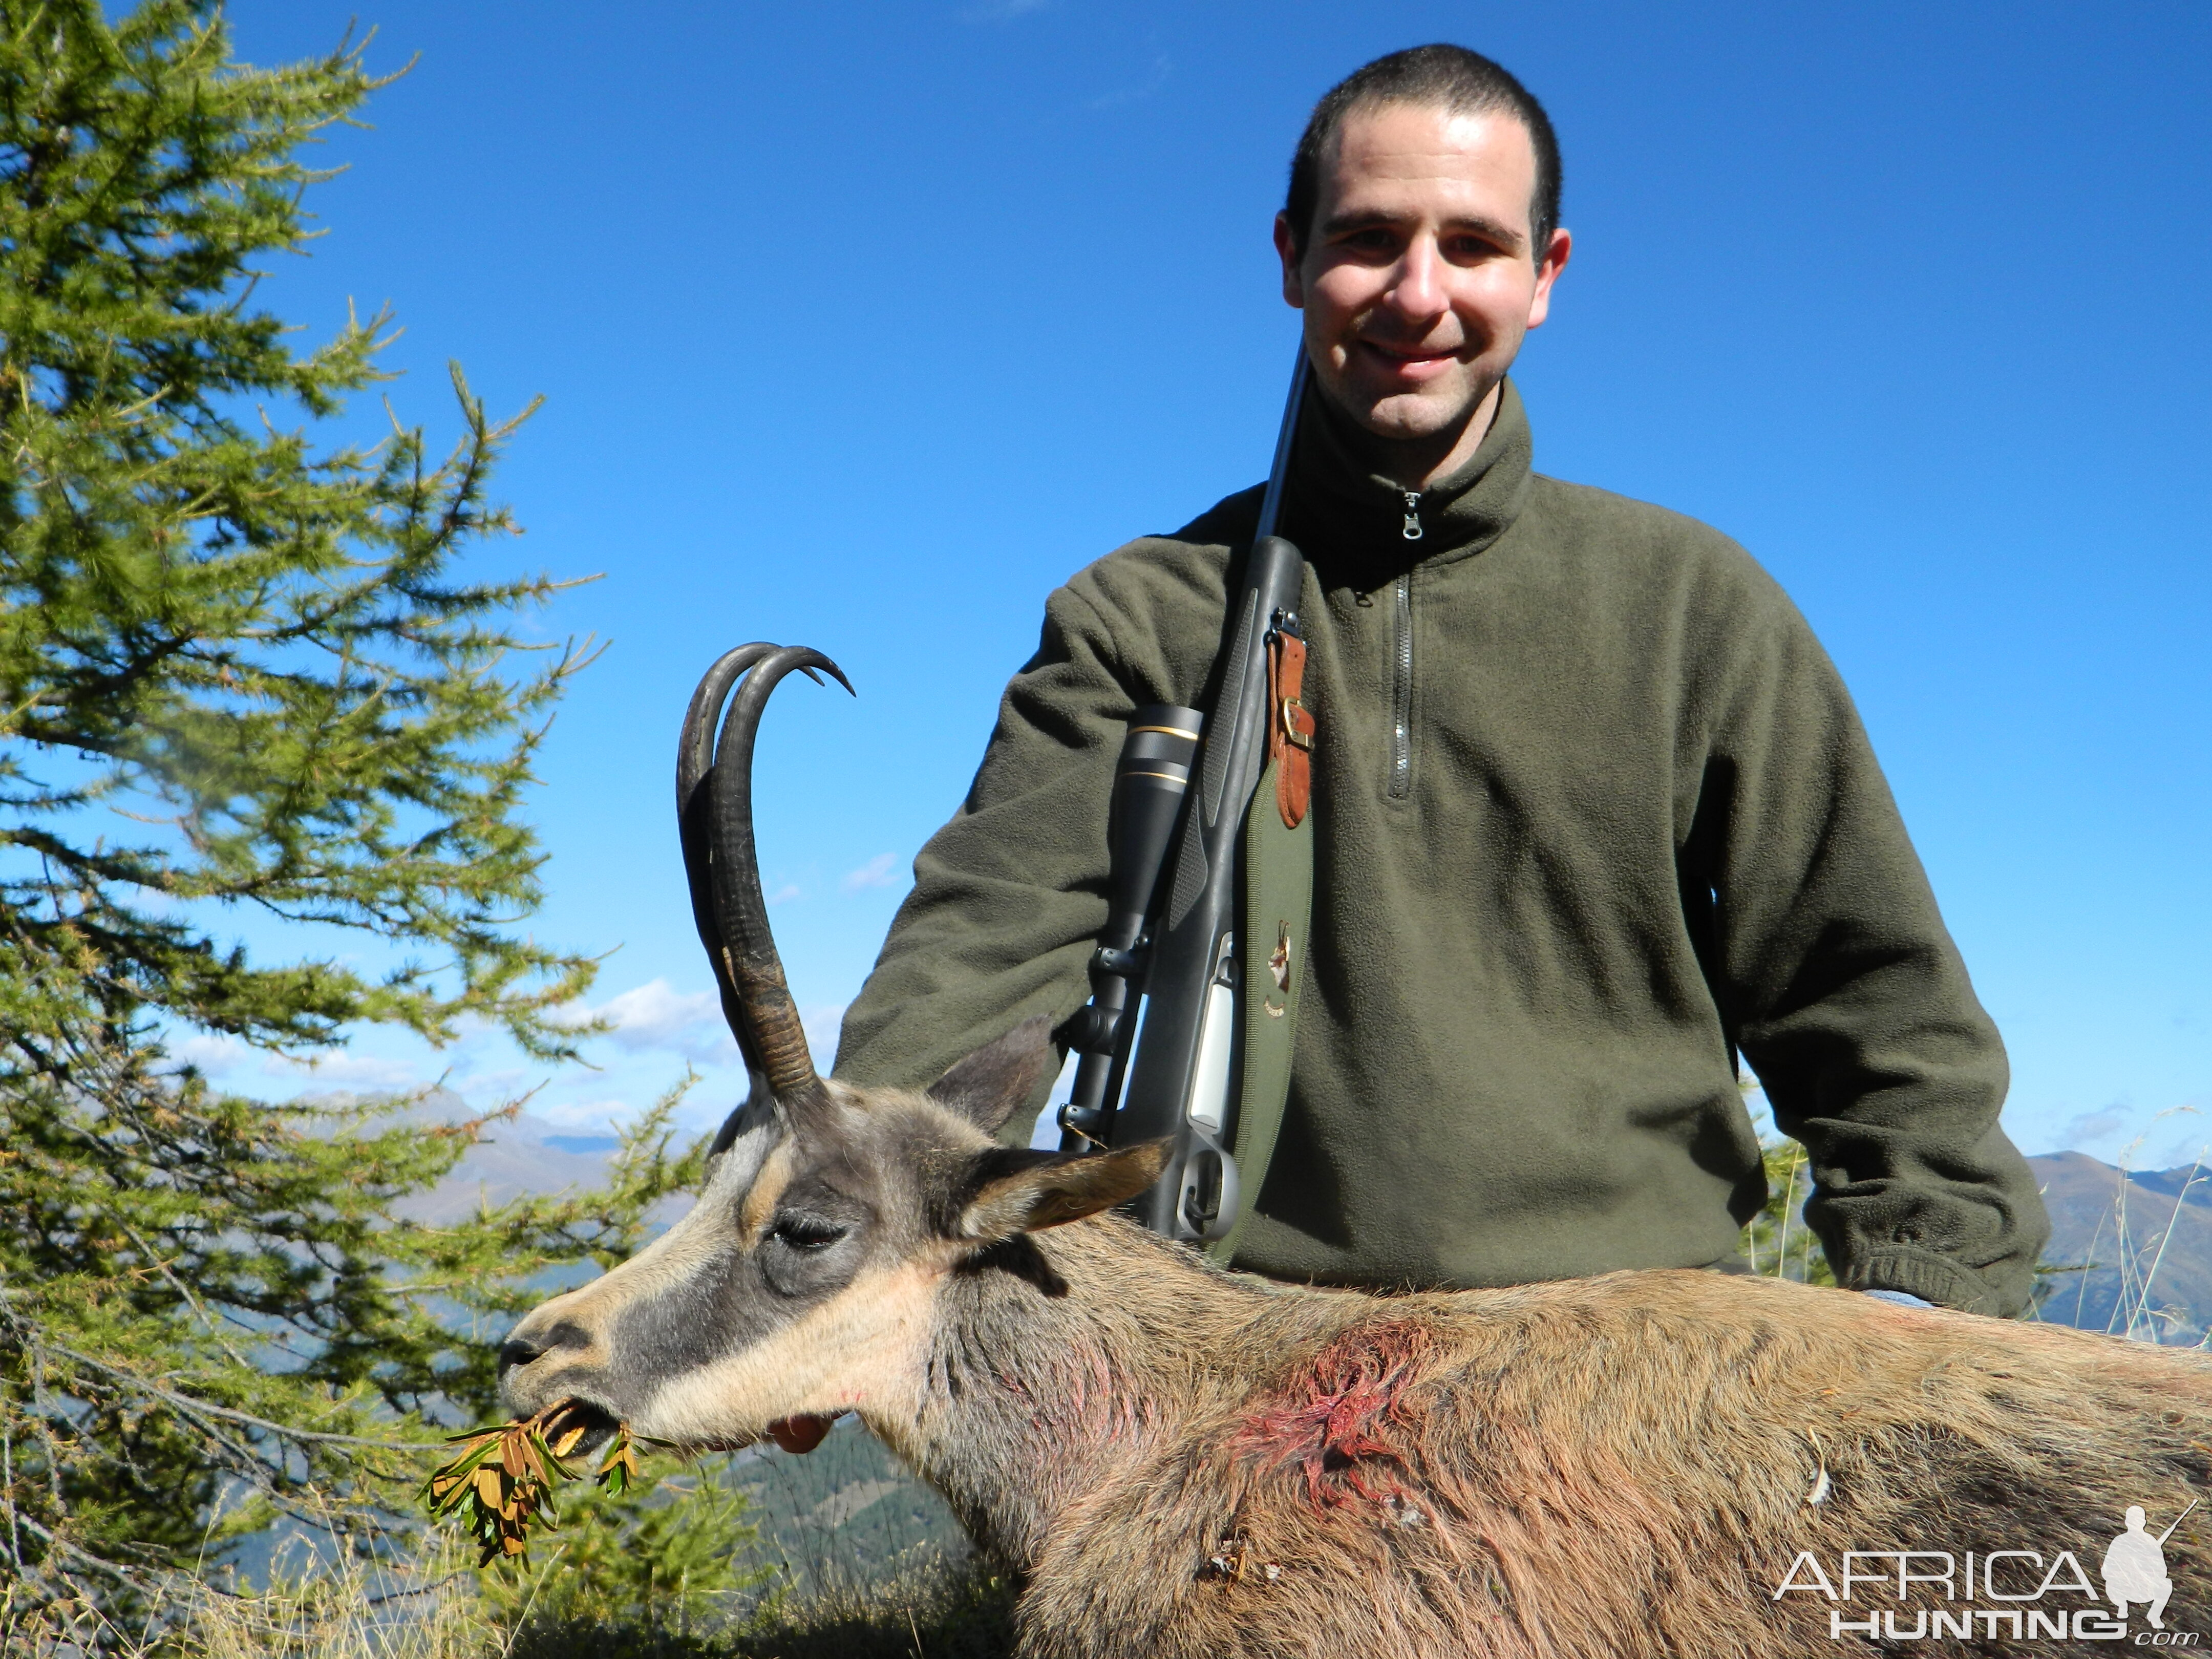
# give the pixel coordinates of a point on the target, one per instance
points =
(1418, 280)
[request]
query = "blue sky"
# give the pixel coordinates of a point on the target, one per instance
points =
(864, 326)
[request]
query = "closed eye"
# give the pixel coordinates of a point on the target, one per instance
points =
(806, 1232)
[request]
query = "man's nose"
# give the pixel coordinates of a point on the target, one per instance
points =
(1419, 290)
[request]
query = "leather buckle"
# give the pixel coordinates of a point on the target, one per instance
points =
(1291, 709)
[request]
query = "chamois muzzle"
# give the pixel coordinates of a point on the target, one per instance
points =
(715, 814)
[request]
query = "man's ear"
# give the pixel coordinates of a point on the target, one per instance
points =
(985, 1087)
(1004, 1192)
(1554, 261)
(1294, 288)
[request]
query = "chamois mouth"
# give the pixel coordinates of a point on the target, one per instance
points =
(599, 1426)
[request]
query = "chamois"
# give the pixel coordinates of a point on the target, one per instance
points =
(1178, 1460)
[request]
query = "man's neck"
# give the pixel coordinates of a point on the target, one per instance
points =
(1415, 464)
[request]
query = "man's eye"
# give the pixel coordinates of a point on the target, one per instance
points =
(1470, 250)
(805, 1233)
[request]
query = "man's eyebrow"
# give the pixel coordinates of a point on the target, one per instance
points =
(1496, 230)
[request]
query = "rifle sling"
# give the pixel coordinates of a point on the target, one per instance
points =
(1278, 907)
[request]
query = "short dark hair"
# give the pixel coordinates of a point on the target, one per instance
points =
(1440, 76)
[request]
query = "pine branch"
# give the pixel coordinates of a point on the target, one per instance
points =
(239, 667)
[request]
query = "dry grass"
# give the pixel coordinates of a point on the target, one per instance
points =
(939, 1610)
(430, 1609)
(331, 1609)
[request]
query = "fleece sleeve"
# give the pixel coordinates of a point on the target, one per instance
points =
(1009, 896)
(1849, 999)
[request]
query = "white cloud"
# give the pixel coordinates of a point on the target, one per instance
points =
(656, 1017)
(2086, 1128)
(785, 894)
(363, 1073)
(500, 1083)
(209, 1053)
(232, 1064)
(880, 871)
(586, 1114)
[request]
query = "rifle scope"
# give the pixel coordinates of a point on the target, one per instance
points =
(1149, 779)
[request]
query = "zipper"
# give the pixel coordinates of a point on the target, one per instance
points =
(1412, 528)
(1401, 691)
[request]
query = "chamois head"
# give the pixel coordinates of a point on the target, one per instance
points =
(801, 1283)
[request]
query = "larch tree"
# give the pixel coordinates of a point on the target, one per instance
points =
(242, 673)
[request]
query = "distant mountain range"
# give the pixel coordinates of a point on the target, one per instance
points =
(524, 1154)
(2130, 1251)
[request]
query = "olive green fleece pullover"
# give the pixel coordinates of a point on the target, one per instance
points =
(1590, 803)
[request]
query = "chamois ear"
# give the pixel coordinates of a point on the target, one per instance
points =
(985, 1087)
(1007, 1192)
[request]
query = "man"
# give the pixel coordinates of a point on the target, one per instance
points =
(1592, 809)
(2134, 1570)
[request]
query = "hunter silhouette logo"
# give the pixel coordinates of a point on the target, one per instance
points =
(2135, 1566)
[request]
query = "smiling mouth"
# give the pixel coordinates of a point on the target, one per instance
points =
(1399, 358)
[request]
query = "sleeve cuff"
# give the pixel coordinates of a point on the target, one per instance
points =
(1919, 1272)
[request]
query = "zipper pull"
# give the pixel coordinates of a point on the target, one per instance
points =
(1413, 526)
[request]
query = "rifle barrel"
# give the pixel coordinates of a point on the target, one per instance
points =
(1271, 504)
(2177, 1520)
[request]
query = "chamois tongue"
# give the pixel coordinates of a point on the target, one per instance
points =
(799, 1434)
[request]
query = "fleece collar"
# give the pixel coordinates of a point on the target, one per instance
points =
(1350, 522)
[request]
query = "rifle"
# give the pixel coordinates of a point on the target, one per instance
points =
(1175, 942)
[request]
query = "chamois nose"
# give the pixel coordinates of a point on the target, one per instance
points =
(520, 1350)
(516, 1350)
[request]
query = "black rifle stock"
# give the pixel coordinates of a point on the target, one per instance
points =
(1175, 938)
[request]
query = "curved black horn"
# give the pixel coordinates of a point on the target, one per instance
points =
(694, 761)
(745, 952)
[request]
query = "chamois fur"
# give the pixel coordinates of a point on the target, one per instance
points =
(1619, 1466)
(1182, 1461)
